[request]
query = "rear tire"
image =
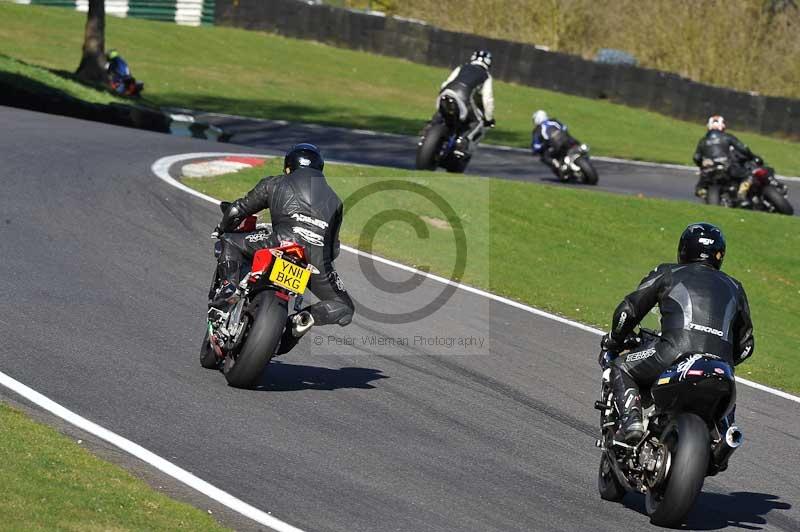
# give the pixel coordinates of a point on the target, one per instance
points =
(269, 321)
(778, 200)
(588, 171)
(607, 484)
(714, 196)
(428, 151)
(688, 442)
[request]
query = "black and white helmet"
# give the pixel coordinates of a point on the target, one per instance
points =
(484, 57)
(702, 242)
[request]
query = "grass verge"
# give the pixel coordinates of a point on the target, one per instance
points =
(50, 482)
(256, 74)
(569, 251)
(30, 78)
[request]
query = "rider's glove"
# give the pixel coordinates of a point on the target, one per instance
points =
(489, 123)
(231, 219)
(609, 344)
(758, 160)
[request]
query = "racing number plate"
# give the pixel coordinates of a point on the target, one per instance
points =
(289, 276)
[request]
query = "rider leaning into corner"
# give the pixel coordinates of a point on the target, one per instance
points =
(550, 140)
(470, 85)
(304, 209)
(702, 311)
(719, 147)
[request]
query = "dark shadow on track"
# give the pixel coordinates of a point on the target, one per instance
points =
(282, 377)
(342, 116)
(717, 511)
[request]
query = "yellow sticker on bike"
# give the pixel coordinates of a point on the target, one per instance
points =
(289, 276)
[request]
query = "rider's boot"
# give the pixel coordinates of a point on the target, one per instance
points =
(744, 188)
(629, 406)
(631, 428)
(297, 325)
(228, 293)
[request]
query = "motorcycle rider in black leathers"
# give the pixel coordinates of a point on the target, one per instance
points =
(550, 140)
(719, 147)
(470, 87)
(702, 311)
(304, 209)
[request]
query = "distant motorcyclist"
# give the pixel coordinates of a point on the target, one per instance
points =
(120, 79)
(304, 209)
(470, 87)
(550, 140)
(702, 311)
(720, 148)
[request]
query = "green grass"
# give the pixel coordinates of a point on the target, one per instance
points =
(50, 482)
(255, 74)
(571, 251)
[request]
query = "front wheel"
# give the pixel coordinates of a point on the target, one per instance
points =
(208, 357)
(689, 446)
(777, 200)
(588, 171)
(268, 322)
(429, 147)
(607, 483)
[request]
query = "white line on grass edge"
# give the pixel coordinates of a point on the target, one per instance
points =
(149, 457)
(161, 169)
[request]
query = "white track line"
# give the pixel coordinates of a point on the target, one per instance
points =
(143, 454)
(161, 170)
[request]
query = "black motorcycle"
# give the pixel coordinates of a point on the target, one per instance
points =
(764, 191)
(443, 141)
(575, 165)
(242, 341)
(688, 435)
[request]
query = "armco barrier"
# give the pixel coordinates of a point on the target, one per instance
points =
(662, 92)
(187, 12)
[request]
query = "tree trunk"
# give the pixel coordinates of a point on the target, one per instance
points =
(92, 68)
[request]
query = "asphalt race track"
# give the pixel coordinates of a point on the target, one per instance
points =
(367, 147)
(105, 271)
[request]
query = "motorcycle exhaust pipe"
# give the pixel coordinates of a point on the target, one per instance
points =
(301, 323)
(724, 449)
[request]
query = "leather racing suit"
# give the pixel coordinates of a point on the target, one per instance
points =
(719, 147)
(703, 310)
(306, 210)
(470, 85)
(551, 141)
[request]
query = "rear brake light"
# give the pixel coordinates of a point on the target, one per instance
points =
(261, 260)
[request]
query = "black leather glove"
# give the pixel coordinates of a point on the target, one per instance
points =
(489, 123)
(230, 219)
(609, 344)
